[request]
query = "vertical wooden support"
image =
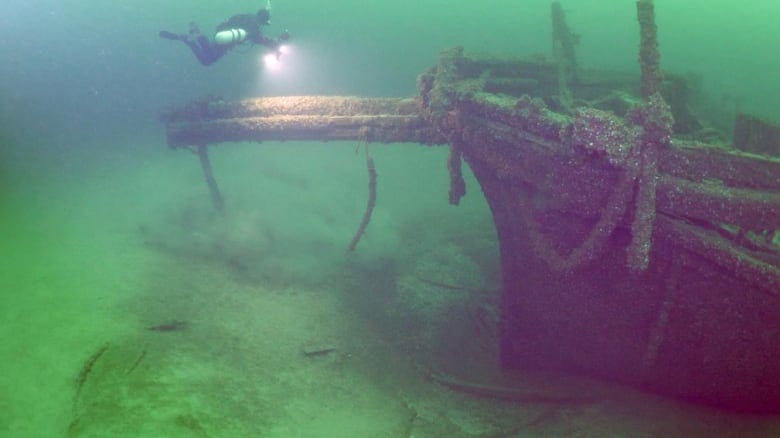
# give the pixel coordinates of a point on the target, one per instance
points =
(563, 52)
(656, 120)
(649, 58)
(658, 330)
(454, 166)
(216, 196)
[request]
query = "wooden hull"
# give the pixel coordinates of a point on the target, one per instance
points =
(626, 254)
(684, 327)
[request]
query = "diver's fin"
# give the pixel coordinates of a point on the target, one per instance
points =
(169, 35)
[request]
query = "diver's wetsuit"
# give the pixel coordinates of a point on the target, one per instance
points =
(208, 52)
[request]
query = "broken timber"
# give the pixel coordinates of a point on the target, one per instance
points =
(627, 252)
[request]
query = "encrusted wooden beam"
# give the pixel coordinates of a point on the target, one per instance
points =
(302, 118)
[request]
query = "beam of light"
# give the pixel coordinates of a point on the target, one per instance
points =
(272, 61)
(292, 73)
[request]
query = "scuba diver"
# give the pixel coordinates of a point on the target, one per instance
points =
(233, 32)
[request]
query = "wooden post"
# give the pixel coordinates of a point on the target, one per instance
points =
(216, 196)
(563, 53)
(649, 58)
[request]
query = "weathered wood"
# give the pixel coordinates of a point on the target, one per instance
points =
(213, 108)
(707, 183)
(302, 118)
(746, 265)
(520, 139)
(649, 58)
(563, 52)
(595, 211)
(719, 204)
(700, 162)
(753, 134)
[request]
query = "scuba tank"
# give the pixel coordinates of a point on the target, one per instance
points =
(230, 36)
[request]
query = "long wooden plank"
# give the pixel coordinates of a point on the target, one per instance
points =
(302, 118)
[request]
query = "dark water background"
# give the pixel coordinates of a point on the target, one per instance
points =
(86, 70)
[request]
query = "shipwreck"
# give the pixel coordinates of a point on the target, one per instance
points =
(634, 245)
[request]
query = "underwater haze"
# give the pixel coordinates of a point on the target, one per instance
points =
(129, 308)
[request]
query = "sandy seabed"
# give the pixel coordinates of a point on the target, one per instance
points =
(274, 331)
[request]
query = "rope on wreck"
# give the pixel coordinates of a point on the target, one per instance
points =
(371, 198)
(635, 151)
(633, 148)
(595, 242)
(439, 93)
